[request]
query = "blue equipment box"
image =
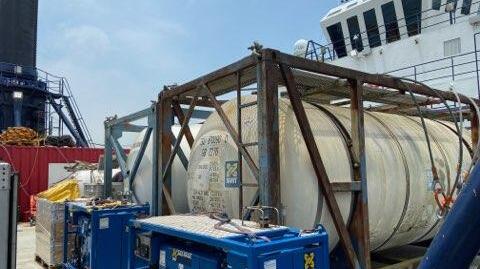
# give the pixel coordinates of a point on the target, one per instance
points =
(201, 242)
(100, 235)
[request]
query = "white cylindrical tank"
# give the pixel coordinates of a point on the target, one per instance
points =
(143, 180)
(402, 208)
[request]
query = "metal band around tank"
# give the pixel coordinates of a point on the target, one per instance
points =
(348, 142)
(407, 179)
(448, 174)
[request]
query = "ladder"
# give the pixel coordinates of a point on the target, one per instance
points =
(240, 107)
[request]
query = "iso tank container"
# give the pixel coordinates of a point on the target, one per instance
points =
(142, 186)
(402, 207)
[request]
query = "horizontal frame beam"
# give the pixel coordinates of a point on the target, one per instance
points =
(129, 118)
(231, 69)
(375, 79)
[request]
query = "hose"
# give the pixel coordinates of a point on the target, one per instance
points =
(425, 130)
(477, 151)
(460, 164)
(224, 219)
(440, 189)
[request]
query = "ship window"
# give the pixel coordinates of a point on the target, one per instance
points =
(451, 5)
(338, 41)
(413, 17)
(355, 35)
(452, 47)
(466, 7)
(390, 19)
(436, 4)
(372, 28)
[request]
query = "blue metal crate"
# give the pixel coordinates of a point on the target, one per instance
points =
(100, 235)
(192, 242)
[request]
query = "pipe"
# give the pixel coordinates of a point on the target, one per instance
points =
(458, 241)
(17, 112)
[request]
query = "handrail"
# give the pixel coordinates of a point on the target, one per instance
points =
(38, 79)
(451, 65)
(383, 39)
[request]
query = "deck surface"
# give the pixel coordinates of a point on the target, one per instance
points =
(26, 247)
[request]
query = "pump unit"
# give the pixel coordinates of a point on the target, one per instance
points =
(100, 235)
(213, 242)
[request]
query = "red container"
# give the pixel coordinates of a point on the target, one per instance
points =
(32, 165)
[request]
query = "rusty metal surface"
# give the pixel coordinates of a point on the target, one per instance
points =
(359, 225)
(163, 184)
(268, 136)
(219, 81)
(375, 79)
(181, 119)
(474, 129)
(238, 89)
(318, 166)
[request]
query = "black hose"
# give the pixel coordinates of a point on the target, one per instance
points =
(460, 158)
(460, 142)
(425, 130)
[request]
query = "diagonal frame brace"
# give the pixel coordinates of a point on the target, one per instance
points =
(176, 147)
(180, 137)
(177, 110)
(318, 166)
(181, 155)
(121, 157)
(139, 157)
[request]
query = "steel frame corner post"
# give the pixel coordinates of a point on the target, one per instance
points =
(115, 134)
(268, 134)
(317, 163)
(107, 162)
(359, 226)
(153, 124)
(238, 90)
(474, 126)
(162, 153)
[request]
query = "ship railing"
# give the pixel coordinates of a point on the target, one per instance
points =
(451, 68)
(340, 48)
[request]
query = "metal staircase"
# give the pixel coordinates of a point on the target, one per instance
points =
(63, 110)
(60, 108)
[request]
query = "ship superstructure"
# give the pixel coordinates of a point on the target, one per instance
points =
(432, 41)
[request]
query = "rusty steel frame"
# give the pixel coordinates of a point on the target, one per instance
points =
(269, 69)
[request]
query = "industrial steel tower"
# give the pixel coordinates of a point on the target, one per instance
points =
(30, 97)
(22, 96)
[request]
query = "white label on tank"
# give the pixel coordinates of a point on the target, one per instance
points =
(180, 266)
(104, 223)
(207, 184)
(271, 264)
(162, 258)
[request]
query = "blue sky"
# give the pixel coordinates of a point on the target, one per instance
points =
(118, 54)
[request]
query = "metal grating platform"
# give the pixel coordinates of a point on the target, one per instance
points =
(203, 225)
